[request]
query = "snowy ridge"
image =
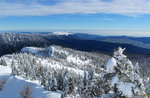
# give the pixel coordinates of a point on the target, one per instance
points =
(55, 61)
(64, 56)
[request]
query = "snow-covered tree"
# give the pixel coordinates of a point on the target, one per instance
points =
(125, 81)
(13, 67)
(53, 84)
(59, 79)
(90, 83)
(70, 85)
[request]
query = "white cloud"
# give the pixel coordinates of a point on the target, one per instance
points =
(34, 8)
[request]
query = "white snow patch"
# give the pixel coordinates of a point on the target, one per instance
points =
(4, 70)
(110, 65)
(115, 79)
(62, 33)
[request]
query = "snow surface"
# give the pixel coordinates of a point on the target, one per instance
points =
(110, 65)
(4, 70)
(62, 33)
(15, 84)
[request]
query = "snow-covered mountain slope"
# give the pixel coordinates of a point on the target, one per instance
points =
(69, 58)
(70, 73)
(14, 84)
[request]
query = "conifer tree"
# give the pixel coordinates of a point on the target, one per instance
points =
(90, 83)
(124, 73)
(53, 83)
(71, 85)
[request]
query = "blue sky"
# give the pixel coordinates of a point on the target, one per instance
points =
(103, 17)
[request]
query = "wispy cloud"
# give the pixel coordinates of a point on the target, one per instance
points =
(50, 7)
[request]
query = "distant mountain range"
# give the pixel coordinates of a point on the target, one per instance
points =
(13, 42)
(143, 42)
